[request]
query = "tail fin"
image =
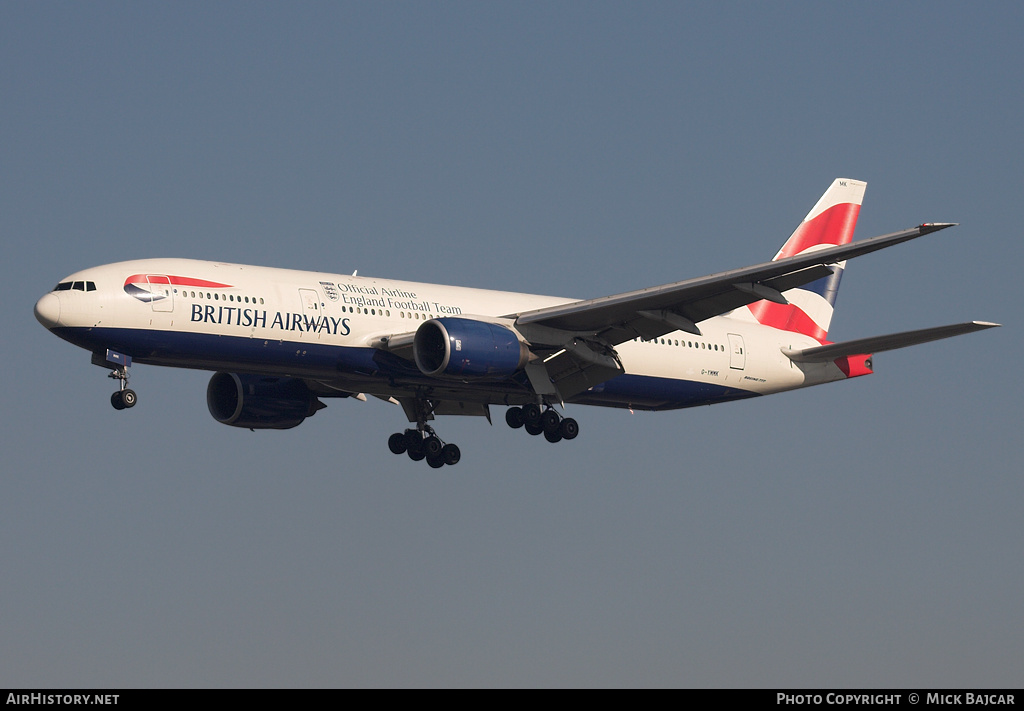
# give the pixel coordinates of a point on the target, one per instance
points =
(830, 222)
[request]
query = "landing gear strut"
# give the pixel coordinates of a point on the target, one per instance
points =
(547, 422)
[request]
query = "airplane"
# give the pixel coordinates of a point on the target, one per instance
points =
(279, 341)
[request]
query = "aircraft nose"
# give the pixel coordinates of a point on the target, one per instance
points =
(48, 311)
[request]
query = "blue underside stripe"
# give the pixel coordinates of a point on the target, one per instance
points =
(322, 361)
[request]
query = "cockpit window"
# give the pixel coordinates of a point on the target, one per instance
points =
(76, 285)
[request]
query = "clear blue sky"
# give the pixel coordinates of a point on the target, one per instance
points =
(859, 534)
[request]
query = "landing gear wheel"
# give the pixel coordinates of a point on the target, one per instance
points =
(514, 417)
(451, 454)
(129, 398)
(531, 413)
(569, 428)
(397, 443)
(117, 401)
(550, 421)
(435, 462)
(432, 446)
(534, 428)
(553, 437)
(416, 454)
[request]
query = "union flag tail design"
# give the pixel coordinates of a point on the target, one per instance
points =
(830, 222)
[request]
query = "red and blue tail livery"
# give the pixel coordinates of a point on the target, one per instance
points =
(830, 223)
(281, 341)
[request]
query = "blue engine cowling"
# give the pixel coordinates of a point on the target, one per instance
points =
(465, 348)
(259, 402)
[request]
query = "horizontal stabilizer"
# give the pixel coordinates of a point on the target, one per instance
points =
(876, 344)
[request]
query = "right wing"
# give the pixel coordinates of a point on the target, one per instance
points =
(652, 312)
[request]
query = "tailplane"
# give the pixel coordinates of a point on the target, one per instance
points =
(830, 222)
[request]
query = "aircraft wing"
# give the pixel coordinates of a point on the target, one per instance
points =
(649, 313)
(876, 344)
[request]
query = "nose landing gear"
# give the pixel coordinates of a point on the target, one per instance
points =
(125, 397)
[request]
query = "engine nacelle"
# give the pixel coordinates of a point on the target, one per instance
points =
(259, 402)
(465, 348)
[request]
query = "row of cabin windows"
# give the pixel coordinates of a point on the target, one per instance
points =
(217, 297)
(684, 344)
(384, 312)
(365, 311)
(76, 285)
(252, 300)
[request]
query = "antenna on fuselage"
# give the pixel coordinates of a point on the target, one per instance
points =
(355, 273)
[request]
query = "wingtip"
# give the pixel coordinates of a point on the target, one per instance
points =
(927, 227)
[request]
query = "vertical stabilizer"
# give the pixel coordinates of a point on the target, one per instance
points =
(830, 222)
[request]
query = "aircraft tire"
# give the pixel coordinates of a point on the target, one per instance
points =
(569, 428)
(514, 417)
(432, 446)
(397, 443)
(550, 421)
(129, 398)
(116, 400)
(531, 413)
(534, 428)
(451, 454)
(553, 437)
(435, 462)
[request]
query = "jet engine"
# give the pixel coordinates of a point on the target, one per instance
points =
(466, 348)
(260, 402)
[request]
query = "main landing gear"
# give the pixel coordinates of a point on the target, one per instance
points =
(423, 443)
(125, 397)
(547, 422)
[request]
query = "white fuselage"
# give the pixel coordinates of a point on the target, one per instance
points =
(324, 327)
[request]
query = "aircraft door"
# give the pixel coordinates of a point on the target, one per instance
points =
(311, 309)
(310, 301)
(737, 356)
(163, 294)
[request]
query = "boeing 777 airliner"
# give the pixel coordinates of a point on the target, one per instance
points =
(279, 340)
